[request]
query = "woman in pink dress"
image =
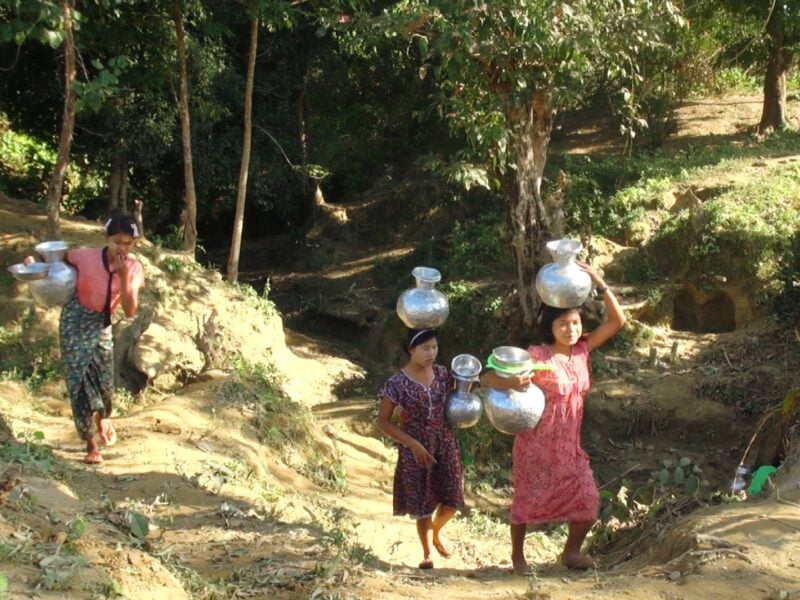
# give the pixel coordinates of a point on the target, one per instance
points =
(553, 480)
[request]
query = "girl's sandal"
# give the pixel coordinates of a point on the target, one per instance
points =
(93, 458)
(426, 564)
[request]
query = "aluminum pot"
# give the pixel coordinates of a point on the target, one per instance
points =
(563, 283)
(423, 306)
(512, 412)
(31, 272)
(59, 285)
(512, 358)
(462, 407)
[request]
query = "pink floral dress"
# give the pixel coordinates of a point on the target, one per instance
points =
(553, 481)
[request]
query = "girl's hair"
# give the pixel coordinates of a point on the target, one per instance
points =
(417, 337)
(122, 224)
(548, 314)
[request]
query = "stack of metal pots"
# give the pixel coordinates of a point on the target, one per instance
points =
(511, 411)
(52, 283)
(463, 408)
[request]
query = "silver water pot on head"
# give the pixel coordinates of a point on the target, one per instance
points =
(463, 408)
(424, 306)
(510, 411)
(59, 285)
(563, 283)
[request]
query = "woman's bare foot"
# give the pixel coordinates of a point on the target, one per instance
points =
(577, 561)
(519, 566)
(441, 548)
(93, 456)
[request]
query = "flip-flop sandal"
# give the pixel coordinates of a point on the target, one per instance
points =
(426, 564)
(93, 458)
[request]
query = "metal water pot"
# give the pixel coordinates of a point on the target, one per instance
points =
(423, 306)
(59, 285)
(510, 411)
(562, 283)
(463, 408)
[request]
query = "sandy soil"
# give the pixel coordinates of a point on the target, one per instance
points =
(232, 518)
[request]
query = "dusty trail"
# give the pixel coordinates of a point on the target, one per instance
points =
(233, 521)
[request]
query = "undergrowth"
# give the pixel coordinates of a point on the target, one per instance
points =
(281, 423)
(27, 355)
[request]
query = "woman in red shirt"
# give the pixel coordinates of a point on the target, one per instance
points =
(107, 277)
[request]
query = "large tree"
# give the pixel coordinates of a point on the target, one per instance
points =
(190, 196)
(241, 191)
(503, 69)
(783, 31)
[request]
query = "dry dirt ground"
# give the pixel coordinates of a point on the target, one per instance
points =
(230, 517)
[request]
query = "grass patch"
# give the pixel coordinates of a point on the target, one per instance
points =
(609, 196)
(281, 423)
(28, 355)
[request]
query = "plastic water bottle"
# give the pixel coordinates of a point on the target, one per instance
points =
(740, 480)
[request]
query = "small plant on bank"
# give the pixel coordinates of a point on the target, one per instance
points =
(32, 359)
(261, 302)
(31, 452)
(281, 423)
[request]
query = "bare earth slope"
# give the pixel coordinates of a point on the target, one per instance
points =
(231, 517)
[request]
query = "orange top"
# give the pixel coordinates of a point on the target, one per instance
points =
(92, 283)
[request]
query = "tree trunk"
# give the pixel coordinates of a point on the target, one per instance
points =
(773, 113)
(527, 217)
(56, 185)
(241, 192)
(138, 205)
(190, 214)
(118, 181)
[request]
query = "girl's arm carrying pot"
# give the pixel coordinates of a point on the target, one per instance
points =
(615, 318)
(384, 423)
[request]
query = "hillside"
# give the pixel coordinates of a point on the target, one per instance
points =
(248, 466)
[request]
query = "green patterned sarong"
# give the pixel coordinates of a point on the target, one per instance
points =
(87, 349)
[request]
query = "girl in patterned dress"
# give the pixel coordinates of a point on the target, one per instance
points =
(428, 480)
(553, 480)
(107, 277)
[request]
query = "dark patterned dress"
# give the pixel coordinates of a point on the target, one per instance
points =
(87, 349)
(418, 490)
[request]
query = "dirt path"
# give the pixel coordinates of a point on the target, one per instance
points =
(231, 521)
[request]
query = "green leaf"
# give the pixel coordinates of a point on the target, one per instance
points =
(3, 584)
(422, 45)
(667, 462)
(138, 524)
(77, 527)
(692, 484)
(606, 495)
(678, 476)
(54, 38)
(685, 462)
(38, 436)
(663, 476)
(6, 33)
(790, 400)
